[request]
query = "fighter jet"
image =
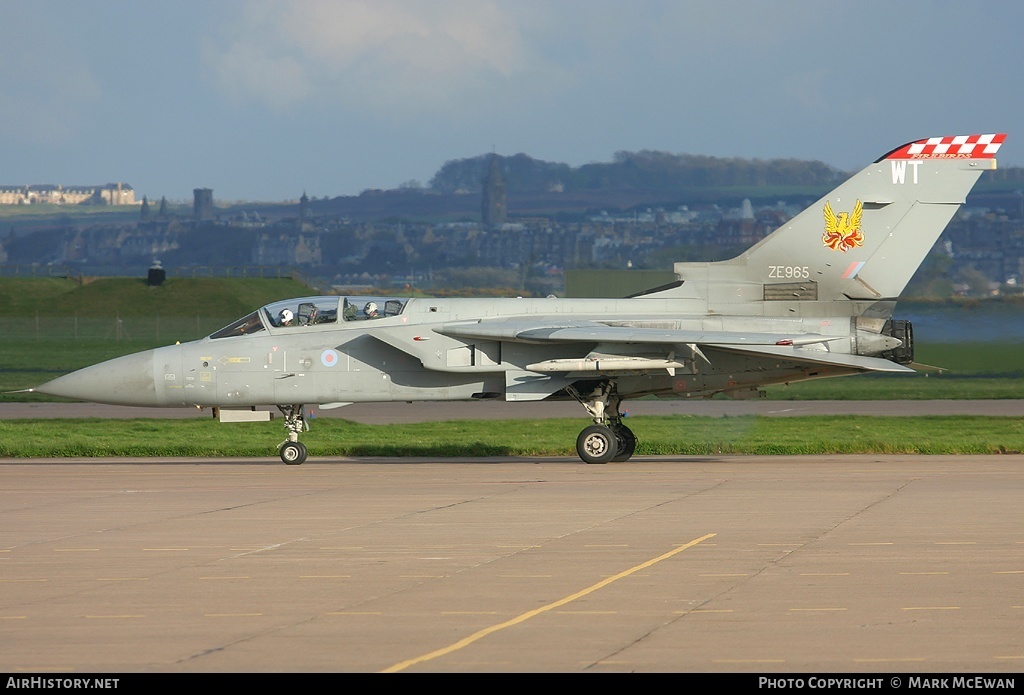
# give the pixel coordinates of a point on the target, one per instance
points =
(813, 299)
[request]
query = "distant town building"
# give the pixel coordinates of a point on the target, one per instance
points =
(56, 194)
(495, 205)
(202, 203)
(279, 248)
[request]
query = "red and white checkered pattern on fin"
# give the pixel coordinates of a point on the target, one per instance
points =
(952, 147)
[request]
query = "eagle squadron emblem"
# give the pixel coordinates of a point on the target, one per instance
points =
(842, 231)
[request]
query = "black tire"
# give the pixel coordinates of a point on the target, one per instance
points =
(293, 453)
(597, 444)
(627, 443)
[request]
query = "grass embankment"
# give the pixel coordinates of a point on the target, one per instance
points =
(676, 435)
(52, 326)
(25, 298)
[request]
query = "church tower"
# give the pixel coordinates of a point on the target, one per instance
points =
(495, 206)
(202, 203)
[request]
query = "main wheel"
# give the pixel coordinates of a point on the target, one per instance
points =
(627, 443)
(293, 453)
(597, 444)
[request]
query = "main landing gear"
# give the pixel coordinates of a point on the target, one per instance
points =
(607, 439)
(293, 452)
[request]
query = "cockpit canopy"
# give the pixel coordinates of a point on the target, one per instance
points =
(313, 311)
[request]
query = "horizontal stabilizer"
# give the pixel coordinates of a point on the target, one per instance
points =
(795, 354)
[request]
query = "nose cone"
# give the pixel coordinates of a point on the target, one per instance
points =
(125, 380)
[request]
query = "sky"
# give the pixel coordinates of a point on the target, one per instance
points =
(264, 100)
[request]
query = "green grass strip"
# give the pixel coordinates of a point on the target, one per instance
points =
(674, 435)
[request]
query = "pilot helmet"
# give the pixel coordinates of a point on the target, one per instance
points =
(370, 309)
(286, 316)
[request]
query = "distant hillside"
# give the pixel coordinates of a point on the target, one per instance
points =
(647, 170)
(535, 187)
(633, 180)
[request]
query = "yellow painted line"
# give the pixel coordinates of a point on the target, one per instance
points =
(342, 547)
(231, 615)
(912, 574)
(480, 634)
(812, 610)
(13, 617)
(17, 581)
(931, 608)
(354, 613)
(167, 549)
(1008, 572)
(1010, 657)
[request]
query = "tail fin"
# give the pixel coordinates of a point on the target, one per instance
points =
(866, 238)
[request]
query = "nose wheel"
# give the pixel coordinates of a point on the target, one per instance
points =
(292, 451)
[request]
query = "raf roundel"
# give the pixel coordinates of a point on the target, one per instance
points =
(329, 358)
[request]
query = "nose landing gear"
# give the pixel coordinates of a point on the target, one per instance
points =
(292, 451)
